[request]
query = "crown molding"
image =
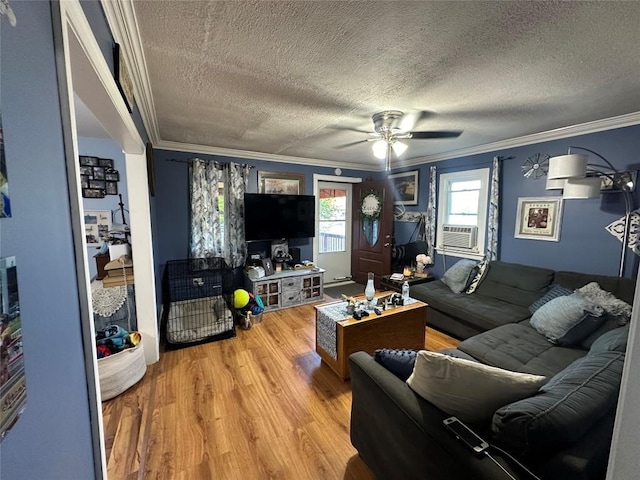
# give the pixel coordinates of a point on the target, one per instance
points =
(121, 17)
(620, 121)
(247, 154)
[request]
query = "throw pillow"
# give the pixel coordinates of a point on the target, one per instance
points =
(570, 404)
(457, 277)
(567, 320)
(613, 341)
(554, 292)
(398, 362)
(469, 390)
(477, 274)
(607, 300)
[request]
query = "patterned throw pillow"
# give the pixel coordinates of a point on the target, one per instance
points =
(554, 292)
(478, 274)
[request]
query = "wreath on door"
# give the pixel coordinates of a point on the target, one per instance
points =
(371, 205)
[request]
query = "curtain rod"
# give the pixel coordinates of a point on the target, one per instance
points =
(189, 160)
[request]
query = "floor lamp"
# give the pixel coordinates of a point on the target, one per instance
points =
(580, 179)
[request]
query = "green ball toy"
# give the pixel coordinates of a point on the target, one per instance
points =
(240, 299)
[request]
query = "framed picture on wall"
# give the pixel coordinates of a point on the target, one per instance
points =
(97, 224)
(539, 218)
(281, 182)
(405, 186)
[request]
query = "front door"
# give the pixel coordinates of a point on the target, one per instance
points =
(334, 228)
(372, 230)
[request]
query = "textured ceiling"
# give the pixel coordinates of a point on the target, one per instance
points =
(286, 78)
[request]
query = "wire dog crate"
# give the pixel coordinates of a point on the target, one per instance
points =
(197, 301)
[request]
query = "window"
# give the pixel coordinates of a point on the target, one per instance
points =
(463, 201)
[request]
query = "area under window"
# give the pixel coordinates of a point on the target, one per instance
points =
(462, 213)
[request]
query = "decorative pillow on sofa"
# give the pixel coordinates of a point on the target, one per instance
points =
(398, 362)
(554, 291)
(476, 276)
(469, 390)
(606, 300)
(571, 403)
(457, 277)
(567, 320)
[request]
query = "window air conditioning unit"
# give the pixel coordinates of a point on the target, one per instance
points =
(459, 236)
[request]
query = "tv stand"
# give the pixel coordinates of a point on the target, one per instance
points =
(288, 288)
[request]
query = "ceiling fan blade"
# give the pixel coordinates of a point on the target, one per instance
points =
(349, 129)
(440, 134)
(351, 144)
(411, 119)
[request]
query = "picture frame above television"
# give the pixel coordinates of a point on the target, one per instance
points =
(282, 183)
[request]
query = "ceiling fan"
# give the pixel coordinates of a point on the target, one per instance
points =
(391, 126)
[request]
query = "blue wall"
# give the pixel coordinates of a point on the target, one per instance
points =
(96, 147)
(584, 246)
(171, 202)
(52, 439)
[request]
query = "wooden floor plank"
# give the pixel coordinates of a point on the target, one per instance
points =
(258, 406)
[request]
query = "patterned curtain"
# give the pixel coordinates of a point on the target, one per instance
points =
(431, 214)
(205, 226)
(209, 236)
(235, 247)
(493, 235)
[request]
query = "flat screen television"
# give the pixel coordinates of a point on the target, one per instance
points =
(271, 216)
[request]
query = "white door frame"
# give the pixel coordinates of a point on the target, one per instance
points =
(83, 70)
(316, 191)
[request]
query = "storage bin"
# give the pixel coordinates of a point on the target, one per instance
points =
(120, 371)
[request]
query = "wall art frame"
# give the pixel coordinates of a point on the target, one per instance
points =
(97, 224)
(405, 187)
(281, 183)
(122, 77)
(539, 218)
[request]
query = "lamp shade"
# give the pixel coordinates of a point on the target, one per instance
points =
(380, 149)
(555, 184)
(399, 147)
(567, 166)
(588, 187)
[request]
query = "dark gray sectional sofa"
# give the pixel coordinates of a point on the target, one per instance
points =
(504, 296)
(562, 432)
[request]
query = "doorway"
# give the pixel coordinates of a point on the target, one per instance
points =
(83, 72)
(334, 230)
(332, 245)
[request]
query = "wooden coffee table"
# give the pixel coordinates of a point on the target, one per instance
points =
(399, 327)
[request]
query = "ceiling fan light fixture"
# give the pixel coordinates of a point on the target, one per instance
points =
(399, 148)
(380, 149)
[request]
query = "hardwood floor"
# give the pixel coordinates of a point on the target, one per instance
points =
(258, 406)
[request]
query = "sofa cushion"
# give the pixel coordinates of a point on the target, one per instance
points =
(612, 341)
(623, 288)
(520, 348)
(398, 362)
(457, 276)
(469, 390)
(606, 300)
(484, 312)
(514, 283)
(554, 291)
(610, 323)
(567, 320)
(564, 409)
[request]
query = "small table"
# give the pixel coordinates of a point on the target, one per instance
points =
(338, 334)
(396, 285)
